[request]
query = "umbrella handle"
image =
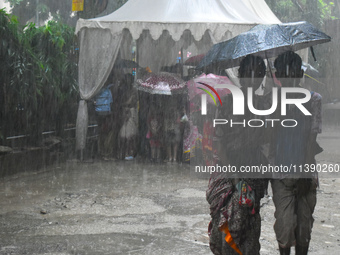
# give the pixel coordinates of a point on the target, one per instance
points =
(270, 68)
(313, 54)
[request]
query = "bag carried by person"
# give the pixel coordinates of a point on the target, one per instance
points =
(246, 195)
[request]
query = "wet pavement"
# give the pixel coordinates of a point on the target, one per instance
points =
(116, 207)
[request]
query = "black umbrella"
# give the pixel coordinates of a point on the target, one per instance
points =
(266, 41)
(124, 63)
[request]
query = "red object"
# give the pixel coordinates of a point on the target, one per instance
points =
(213, 90)
(211, 80)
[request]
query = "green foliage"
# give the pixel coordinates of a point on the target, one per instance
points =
(326, 10)
(313, 11)
(38, 74)
(27, 10)
(14, 2)
(12, 67)
(286, 10)
(38, 67)
(60, 10)
(53, 49)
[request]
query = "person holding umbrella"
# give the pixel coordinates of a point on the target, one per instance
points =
(267, 41)
(234, 200)
(295, 197)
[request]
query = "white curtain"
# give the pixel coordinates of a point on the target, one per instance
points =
(98, 52)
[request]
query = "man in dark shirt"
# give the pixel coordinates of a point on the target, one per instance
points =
(295, 197)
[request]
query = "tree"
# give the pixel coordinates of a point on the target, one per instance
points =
(317, 12)
(54, 49)
(313, 11)
(28, 10)
(61, 10)
(38, 73)
(12, 58)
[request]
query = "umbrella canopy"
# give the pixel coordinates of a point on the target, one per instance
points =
(194, 60)
(266, 41)
(162, 83)
(195, 86)
(124, 63)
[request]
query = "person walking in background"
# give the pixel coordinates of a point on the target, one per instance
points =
(234, 200)
(294, 197)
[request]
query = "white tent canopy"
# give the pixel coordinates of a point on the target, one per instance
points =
(177, 16)
(161, 29)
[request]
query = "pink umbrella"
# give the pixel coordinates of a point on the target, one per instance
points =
(205, 84)
(194, 60)
(162, 83)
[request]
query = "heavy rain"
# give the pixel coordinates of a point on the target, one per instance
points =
(169, 127)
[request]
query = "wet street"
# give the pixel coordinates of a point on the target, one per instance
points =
(116, 207)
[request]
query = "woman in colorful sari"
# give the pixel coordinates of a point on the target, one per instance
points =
(235, 199)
